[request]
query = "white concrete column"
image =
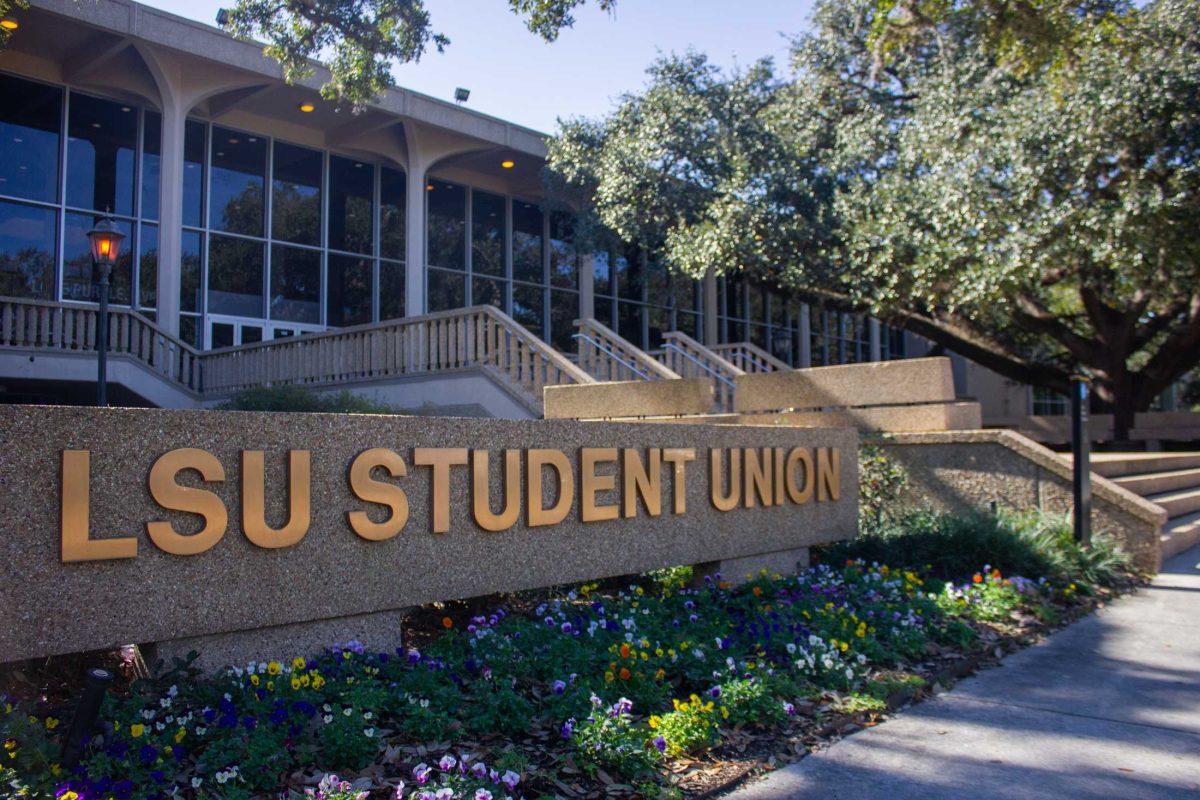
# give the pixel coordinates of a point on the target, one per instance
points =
(711, 323)
(170, 215)
(587, 286)
(804, 357)
(414, 235)
(874, 332)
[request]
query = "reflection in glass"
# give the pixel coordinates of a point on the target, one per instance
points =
(527, 242)
(393, 194)
(239, 162)
(151, 158)
(629, 322)
(296, 198)
(658, 285)
(189, 330)
(30, 124)
(295, 284)
(27, 244)
(79, 274)
(351, 189)
(447, 290)
(689, 323)
(148, 266)
(189, 286)
(527, 307)
(629, 275)
(488, 243)
(602, 283)
(100, 153)
(447, 240)
(487, 292)
(391, 290)
(235, 277)
(659, 323)
(222, 335)
(349, 291)
(564, 310)
(193, 173)
(564, 259)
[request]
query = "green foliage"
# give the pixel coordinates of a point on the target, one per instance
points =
(609, 739)
(880, 481)
(690, 728)
(749, 701)
(299, 398)
(671, 579)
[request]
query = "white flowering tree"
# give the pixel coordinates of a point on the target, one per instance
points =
(1035, 208)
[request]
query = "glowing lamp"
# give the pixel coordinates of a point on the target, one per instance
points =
(105, 240)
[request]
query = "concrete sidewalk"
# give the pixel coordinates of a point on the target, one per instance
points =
(1108, 708)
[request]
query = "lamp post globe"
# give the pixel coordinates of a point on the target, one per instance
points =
(104, 241)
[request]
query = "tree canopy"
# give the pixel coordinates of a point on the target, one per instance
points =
(1033, 207)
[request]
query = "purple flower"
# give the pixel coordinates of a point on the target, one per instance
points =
(568, 728)
(789, 709)
(660, 744)
(559, 687)
(483, 794)
(479, 770)
(714, 692)
(509, 779)
(447, 763)
(566, 628)
(420, 773)
(414, 656)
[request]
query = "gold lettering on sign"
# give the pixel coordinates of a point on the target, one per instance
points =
(593, 484)
(254, 514)
(720, 500)
(481, 505)
(829, 473)
(757, 465)
(440, 460)
(364, 486)
(536, 513)
(803, 493)
(679, 458)
(778, 456)
(173, 497)
(638, 480)
(77, 544)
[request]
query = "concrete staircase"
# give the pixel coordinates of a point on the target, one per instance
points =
(1169, 480)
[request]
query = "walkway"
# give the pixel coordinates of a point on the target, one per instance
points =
(1108, 708)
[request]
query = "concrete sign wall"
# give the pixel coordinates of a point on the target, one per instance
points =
(132, 525)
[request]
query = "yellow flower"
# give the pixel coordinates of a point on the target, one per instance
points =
(137, 729)
(659, 652)
(274, 668)
(645, 656)
(654, 722)
(68, 795)
(305, 680)
(51, 723)
(724, 712)
(55, 770)
(298, 663)
(179, 735)
(608, 677)
(843, 647)
(317, 681)
(270, 686)
(640, 591)
(295, 683)
(254, 679)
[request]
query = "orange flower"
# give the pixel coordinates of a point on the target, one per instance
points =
(625, 650)
(757, 591)
(977, 578)
(447, 622)
(996, 574)
(624, 673)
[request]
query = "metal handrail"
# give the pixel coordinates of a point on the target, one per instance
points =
(607, 350)
(707, 368)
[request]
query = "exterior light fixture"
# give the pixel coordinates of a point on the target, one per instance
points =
(307, 108)
(429, 187)
(9, 24)
(462, 95)
(508, 163)
(96, 682)
(105, 241)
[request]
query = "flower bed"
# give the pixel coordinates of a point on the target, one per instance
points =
(645, 689)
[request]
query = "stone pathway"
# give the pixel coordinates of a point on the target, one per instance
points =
(1108, 708)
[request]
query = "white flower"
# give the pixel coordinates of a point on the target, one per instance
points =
(196, 782)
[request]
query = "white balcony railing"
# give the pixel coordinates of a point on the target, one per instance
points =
(749, 357)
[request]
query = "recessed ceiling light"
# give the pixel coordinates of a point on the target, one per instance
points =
(508, 164)
(95, 124)
(233, 140)
(18, 139)
(252, 139)
(220, 152)
(126, 109)
(307, 108)
(358, 165)
(9, 24)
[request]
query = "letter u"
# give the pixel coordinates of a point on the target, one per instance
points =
(254, 517)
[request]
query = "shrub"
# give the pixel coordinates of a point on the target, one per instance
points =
(690, 728)
(609, 739)
(299, 398)
(880, 479)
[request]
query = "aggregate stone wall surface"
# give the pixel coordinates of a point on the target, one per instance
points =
(49, 607)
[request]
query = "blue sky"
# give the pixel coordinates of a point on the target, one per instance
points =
(514, 75)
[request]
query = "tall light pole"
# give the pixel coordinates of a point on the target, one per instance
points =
(105, 241)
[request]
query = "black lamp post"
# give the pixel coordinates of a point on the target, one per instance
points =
(105, 241)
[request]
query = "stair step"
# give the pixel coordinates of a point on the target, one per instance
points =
(1179, 534)
(1117, 465)
(1177, 503)
(1159, 482)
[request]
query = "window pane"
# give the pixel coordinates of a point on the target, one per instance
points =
(30, 122)
(189, 330)
(151, 143)
(660, 323)
(487, 292)
(391, 290)
(80, 277)
(148, 267)
(222, 334)
(393, 198)
(193, 173)
(603, 308)
(734, 299)
(629, 322)
(351, 207)
(527, 242)
(296, 198)
(447, 290)
(527, 305)
(349, 291)
(487, 233)
(564, 260)
(295, 284)
(27, 244)
(735, 330)
(658, 285)
(235, 277)
(602, 283)
(758, 309)
(251, 334)
(629, 275)
(564, 310)
(239, 163)
(189, 286)
(447, 240)
(689, 323)
(100, 153)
